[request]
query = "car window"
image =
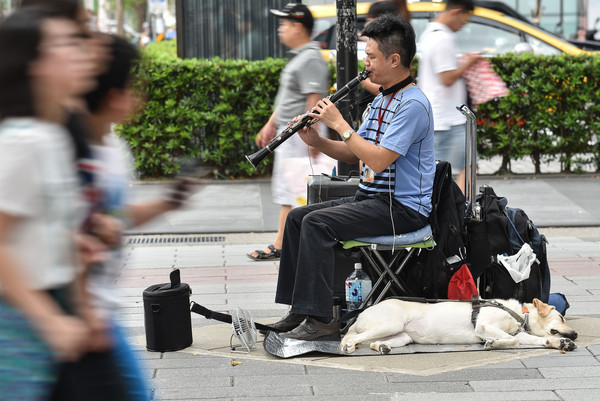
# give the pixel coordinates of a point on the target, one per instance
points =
(322, 31)
(477, 36)
(419, 25)
(540, 47)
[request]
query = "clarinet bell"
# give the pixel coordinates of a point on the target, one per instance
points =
(256, 157)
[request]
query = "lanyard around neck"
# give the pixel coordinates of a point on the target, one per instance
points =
(380, 116)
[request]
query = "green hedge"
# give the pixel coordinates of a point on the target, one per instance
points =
(552, 111)
(205, 110)
(211, 111)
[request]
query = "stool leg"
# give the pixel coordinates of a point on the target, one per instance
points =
(380, 274)
(394, 275)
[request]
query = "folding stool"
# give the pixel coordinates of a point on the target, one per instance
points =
(404, 247)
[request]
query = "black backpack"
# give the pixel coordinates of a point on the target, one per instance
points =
(430, 275)
(504, 230)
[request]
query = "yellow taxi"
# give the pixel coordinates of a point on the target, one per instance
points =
(488, 31)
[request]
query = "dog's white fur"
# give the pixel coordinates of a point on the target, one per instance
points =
(394, 323)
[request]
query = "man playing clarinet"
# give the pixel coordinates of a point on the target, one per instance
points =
(395, 147)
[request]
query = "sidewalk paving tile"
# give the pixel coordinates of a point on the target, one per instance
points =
(487, 396)
(578, 395)
(570, 383)
(222, 278)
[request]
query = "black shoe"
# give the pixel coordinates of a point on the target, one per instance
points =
(287, 323)
(313, 330)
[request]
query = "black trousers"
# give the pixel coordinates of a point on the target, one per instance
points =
(307, 258)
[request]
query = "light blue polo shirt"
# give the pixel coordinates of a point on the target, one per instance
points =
(407, 129)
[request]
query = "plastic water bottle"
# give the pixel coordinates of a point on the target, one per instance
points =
(358, 286)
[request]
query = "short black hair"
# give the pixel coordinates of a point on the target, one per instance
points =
(393, 35)
(463, 5)
(124, 57)
(20, 37)
(56, 8)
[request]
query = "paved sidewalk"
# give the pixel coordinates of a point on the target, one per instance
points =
(222, 279)
(246, 206)
(209, 240)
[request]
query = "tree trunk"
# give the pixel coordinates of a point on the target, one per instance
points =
(139, 9)
(119, 18)
(505, 166)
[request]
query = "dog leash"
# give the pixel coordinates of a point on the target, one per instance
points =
(479, 303)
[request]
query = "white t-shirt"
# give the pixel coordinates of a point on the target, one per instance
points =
(438, 54)
(39, 186)
(112, 174)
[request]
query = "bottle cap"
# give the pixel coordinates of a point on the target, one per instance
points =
(358, 266)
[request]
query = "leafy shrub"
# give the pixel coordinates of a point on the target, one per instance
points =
(166, 47)
(211, 111)
(551, 111)
(208, 110)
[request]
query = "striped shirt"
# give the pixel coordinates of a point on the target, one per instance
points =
(407, 129)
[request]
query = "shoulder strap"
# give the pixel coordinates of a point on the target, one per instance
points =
(479, 303)
(224, 317)
(512, 225)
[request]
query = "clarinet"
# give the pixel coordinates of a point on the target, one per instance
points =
(304, 121)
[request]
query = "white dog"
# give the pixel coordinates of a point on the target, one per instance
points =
(394, 323)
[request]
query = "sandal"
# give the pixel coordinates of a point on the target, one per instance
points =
(262, 255)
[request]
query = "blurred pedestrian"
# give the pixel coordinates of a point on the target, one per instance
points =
(110, 164)
(303, 82)
(379, 8)
(145, 35)
(402, 8)
(96, 44)
(71, 9)
(44, 63)
(440, 78)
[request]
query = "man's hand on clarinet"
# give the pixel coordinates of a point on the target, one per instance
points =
(310, 135)
(328, 113)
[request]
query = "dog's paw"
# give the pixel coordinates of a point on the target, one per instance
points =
(380, 347)
(567, 344)
(562, 343)
(489, 344)
(347, 348)
(384, 349)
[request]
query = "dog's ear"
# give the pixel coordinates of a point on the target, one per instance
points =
(542, 308)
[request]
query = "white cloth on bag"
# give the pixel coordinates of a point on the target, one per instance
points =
(519, 264)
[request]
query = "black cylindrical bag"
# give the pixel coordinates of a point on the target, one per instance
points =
(167, 317)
